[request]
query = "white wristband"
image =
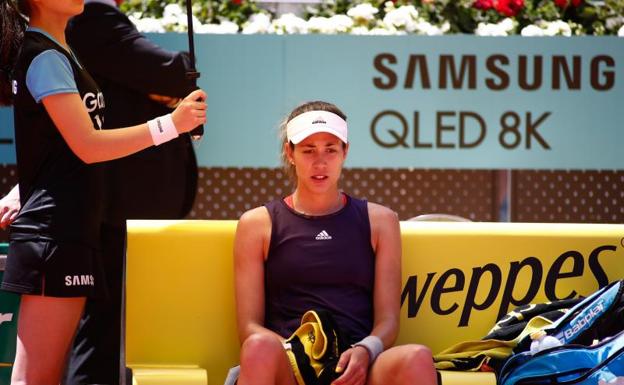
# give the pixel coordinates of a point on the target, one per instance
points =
(162, 129)
(374, 346)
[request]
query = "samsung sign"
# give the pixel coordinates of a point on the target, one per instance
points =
(411, 101)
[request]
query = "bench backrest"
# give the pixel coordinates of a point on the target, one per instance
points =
(458, 278)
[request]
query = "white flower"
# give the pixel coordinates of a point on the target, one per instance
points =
(383, 31)
(613, 23)
(289, 23)
(173, 10)
(175, 19)
(147, 24)
(402, 18)
(425, 28)
(621, 31)
(507, 24)
(388, 6)
(225, 27)
(359, 30)
(173, 16)
(362, 13)
(547, 28)
(229, 26)
(557, 27)
(319, 24)
(258, 23)
(445, 27)
(502, 28)
(532, 30)
(341, 23)
(489, 29)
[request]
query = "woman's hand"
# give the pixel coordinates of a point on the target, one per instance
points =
(353, 363)
(9, 207)
(191, 112)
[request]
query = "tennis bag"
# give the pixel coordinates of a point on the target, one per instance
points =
(314, 349)
(601, 364)
(572, 362)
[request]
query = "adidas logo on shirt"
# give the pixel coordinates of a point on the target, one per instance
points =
(323, 236)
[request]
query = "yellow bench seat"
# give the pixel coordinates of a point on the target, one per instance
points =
(457, 278)
(168, 375)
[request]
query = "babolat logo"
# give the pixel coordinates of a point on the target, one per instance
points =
(79, 280)
(319, 120)
(569, 264)
(587, 319)
(5, 317)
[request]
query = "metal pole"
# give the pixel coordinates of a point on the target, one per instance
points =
(192, 74)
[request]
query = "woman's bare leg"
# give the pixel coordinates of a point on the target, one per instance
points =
(45, 329)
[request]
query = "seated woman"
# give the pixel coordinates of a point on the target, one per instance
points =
(322, 249)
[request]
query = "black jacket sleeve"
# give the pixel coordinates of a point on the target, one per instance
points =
(110, 46)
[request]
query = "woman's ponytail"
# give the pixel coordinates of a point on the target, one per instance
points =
(12, 27)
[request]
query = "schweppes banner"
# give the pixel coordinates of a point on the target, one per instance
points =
(456, 279)
(463, 277)
(412, 101)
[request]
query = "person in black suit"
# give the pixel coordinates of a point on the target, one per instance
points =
(140, 81)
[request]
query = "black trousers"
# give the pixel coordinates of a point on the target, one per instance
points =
(95, 355)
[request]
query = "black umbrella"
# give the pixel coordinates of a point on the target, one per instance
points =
(192, 74)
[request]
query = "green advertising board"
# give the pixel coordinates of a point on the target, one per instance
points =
(9, 305)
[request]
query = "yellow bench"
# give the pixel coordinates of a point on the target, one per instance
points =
(457, 279)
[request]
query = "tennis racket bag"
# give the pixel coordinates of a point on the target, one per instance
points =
(597, 317)
(601, 364)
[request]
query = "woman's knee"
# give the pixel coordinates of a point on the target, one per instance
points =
(260, 348)
(417, 357)
(420, 353)
(405, 364)
(417, 363)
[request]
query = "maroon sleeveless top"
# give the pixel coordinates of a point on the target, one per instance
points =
(320, 262)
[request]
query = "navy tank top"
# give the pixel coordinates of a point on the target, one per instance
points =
(320, 262)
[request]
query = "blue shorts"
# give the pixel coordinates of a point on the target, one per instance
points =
(54, 269)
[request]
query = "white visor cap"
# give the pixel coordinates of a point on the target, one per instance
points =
(312, 122)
